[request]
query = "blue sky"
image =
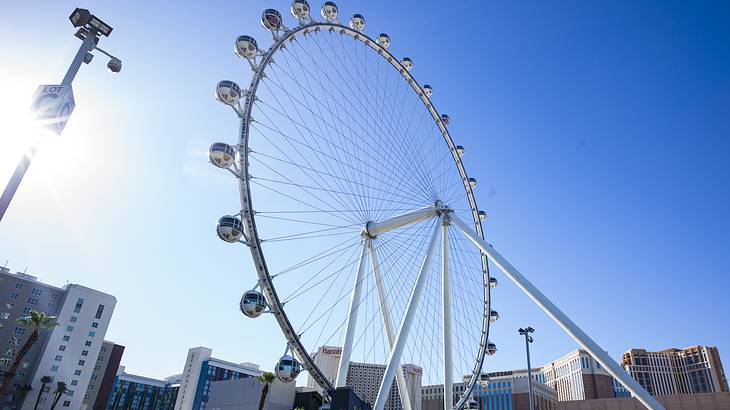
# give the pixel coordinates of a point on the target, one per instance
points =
(598, 133)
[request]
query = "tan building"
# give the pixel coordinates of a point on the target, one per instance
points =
(700, 401)
(695, 369)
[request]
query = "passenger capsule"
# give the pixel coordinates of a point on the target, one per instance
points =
(300, 9)
(246, 47)
(445, 119)
(460, 150)
(329, 11)
(384, 40)
(252, 304)
(229, 228)
(472, 182)
(357, 22)
(427, 90)
(271, 19)
(407, 63)
(491, 348)
(228, 92)
(493, 283)
(493, 316)
(288, 369)
(482, 215)
(221, 155)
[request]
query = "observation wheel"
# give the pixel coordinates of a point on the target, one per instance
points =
(350, 185)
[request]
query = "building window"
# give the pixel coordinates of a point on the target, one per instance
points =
(13, 295)
(73, 319)
(87, 343)
(82, 362)
(103, 349)
(36, 292)
(54, 296)
(79, 303)
(58, 358)
(77, 373)
(92, 334)
(69, 328)
(14, 341)
(33, 301)
(19, 330)
(10, 351)
(66, 403)
(95, 324)
(99, 311)
(62, 348)
(26, 310)
(4, 315)
(18, 286)
(74, 382)
(84, 353)
(66, 338)
(51, 305)
(54, 368)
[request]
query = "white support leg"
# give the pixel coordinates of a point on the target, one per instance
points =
(400, 378)
(560, 318)
(446, 318)
(400, 339)
(374, 228)
(352, 317)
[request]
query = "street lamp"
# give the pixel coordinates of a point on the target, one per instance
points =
(528, 339)
(53, 104)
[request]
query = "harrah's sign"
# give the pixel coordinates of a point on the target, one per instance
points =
(331, 350)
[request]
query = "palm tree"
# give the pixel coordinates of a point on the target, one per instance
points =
(24, 390)
(37, 321)
(61, 388)
(44, 381)
(266, 378)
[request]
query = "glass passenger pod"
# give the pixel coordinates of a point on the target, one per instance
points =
(228, 92)
(300, 9)
(407, 63)
(482, 215)
(329, 10)
(493, 316)
(253, 304)
(460, 150)
(491, 348)
(493, 283)
(473, 182)
(246, 47)
(384, 40)
(229, 228)
(427, 90)
(221, 155)
(288, 369)
(445, 119)
(471, 405)
(271, 19)
(357, 22)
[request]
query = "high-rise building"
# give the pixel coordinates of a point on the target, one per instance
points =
(500, 391)
(66, 353)
(695, 369)
(200, 371)
(102, 377)
(365, 378)
(577, 376)
(141, 393)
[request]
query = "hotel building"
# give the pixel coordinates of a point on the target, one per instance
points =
(103, 376)
(695, 369)
(67, 353)
(141, 393)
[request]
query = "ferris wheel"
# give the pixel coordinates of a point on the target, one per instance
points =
(357, 210)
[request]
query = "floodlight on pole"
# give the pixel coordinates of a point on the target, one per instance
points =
(53, 104)
(528, 339)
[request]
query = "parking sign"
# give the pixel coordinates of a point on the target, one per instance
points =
(52, 106)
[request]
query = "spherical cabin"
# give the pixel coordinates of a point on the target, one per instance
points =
(472, 182)
(253, 304)
(482, 215)
(493, 316)
(329, 10)
(493, 283)
(300, 9)
(229, 228)
(491, 348)
(221, 155)
(428, 90)
(445, 119)
(407, 63)
(246, 47)
(357, 22)
(228, 92)
(471, 405)
(271, 19)
(460, 150)
(287, 369)
(384, 40)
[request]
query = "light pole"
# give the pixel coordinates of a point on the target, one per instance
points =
(53, 104)
(528, 339)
